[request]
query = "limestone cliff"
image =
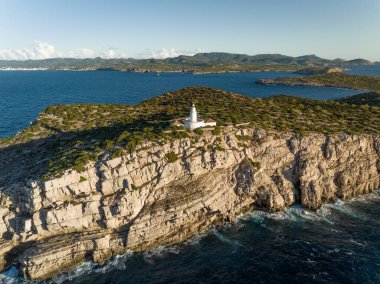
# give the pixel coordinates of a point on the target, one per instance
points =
(319, 70)
(142, 200)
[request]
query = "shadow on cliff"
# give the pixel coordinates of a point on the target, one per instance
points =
(26, 161)
(29, 160)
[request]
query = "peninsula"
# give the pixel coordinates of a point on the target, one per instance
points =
(86, 182)
(335, 79)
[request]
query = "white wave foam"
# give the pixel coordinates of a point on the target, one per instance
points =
(335, 250)
(160, 252)
(116, 262)
(361, 244)
(294, 214)
(83, 269)
(194, 240)
(224, 239)
(348, 207)
(324, 214)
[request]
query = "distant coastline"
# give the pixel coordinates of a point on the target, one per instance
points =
(201, 63)
(335, 80)
(142, 70)
(304, 84)
(147, 71)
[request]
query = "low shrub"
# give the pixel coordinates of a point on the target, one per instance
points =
(198, 131)
(171, 157)
(82, 179)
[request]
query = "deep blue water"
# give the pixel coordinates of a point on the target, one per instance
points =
(340, 243)
(370, 70)
(24, 94)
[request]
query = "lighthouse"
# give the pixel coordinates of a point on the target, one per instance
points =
(192, 121)
(193, 114)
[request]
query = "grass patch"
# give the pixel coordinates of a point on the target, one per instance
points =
(171, 157)
(82, 179)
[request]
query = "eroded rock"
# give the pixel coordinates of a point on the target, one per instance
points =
(140, 201)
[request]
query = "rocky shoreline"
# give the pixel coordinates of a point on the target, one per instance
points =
(143, 200)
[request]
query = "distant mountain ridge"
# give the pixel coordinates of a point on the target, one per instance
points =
(201, 61)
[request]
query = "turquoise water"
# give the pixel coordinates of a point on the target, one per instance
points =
(24, 94)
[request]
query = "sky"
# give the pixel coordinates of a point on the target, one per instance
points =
(38, 29)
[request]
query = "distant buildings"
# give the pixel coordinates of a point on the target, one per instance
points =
(192, 122)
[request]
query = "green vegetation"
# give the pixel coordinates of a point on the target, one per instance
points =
(216, 131)
(256, 165)
(310, 70)
(198, 131)
(244, 138)
(318, 70)
(178, 133)
(72, 158)
(171, 157)
(83, 132)
(201, 62)
(218, 147)
(365, 100)
(339, 80)
(118, 153)
(82, 179)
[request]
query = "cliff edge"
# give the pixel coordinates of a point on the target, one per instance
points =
(165, 190)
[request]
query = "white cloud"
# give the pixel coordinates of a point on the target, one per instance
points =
(44, 50)
(40, 50)
(112, 53)
(81, 53)
(165, 53)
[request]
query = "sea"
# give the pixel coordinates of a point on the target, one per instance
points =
(339, 243)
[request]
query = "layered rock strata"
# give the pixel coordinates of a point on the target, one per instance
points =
(143, 200)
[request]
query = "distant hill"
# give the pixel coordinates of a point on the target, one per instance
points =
(359, 61)
(264, 59)
(202, 62)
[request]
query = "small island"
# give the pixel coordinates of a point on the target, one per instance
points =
(336, 80)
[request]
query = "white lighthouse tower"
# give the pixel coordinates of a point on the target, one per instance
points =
(192, 122)
(193, 114)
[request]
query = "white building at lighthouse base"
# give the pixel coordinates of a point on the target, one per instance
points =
(192, 122)
(193, 125)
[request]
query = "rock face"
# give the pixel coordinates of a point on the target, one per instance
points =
(316, 71)
(141, 200)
